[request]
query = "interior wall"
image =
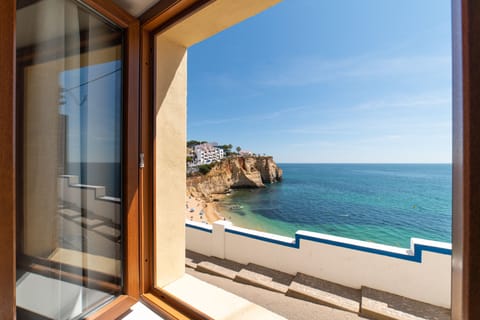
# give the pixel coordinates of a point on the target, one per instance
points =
(170, 153)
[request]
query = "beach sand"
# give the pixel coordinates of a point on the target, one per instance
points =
(197, 209)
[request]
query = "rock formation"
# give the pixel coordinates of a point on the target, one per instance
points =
(235, 173)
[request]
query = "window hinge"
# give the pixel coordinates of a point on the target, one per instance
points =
(141, 162)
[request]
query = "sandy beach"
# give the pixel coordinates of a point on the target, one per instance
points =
(197, 209)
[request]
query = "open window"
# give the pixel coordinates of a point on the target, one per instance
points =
(145, 247)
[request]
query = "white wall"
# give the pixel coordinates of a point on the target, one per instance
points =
(421, 272)
(91, 198)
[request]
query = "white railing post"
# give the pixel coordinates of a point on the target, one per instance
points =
(218, 238)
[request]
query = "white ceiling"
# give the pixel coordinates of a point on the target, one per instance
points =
(136, 7)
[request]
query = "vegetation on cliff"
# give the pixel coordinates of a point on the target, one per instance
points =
(205, 168)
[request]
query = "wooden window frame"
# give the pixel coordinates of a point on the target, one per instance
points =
(26, 57)
(138, 191)
(466, 160)
(131, 27)
(152, 22)
(132, 231)
(139, 188)
(7, 160)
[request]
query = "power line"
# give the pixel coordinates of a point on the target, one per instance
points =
(92, 80)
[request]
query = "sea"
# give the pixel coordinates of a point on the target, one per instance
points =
(380, 203)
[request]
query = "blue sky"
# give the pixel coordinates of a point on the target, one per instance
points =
(92, 104)
(329, 81)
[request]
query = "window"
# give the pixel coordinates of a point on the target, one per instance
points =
(162, 14)
(69, 145)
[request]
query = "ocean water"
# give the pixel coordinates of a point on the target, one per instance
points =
(381, 203)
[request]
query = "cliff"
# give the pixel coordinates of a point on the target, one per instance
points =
(235, 173)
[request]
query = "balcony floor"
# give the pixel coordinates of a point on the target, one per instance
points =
(285, 306)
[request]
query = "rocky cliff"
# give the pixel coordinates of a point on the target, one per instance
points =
(235, 173)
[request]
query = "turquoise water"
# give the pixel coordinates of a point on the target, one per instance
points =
(382, 203)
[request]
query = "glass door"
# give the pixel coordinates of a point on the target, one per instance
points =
(69, 135)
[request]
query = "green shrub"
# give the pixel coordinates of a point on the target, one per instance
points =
(205, 168)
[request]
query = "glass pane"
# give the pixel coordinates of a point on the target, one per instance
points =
(69, 120)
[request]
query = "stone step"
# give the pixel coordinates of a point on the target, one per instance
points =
(193, 258)
(324, 292)
(368, 302)
(382, 305)
(189, 263)
(88, 222)
(69, 213)
(265, 278)
(219, 267)
(107, 231)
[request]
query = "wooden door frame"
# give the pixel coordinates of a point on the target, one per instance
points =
(7, 160)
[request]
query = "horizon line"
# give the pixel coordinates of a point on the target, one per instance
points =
(364, 162)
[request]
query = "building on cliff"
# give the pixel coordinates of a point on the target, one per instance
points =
(245, 153)
(207, 153)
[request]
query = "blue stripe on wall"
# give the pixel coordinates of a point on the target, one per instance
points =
(417, 257)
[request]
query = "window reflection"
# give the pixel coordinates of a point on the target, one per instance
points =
(69, 105)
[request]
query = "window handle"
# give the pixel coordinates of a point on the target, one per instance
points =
(141, 162)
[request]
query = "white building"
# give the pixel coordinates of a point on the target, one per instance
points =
(245, 153)
(206, 153)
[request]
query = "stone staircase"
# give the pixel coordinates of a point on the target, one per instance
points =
(90, 221)
(367, 302)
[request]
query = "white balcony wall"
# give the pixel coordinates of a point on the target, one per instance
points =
(91, 198)
(421, 272)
